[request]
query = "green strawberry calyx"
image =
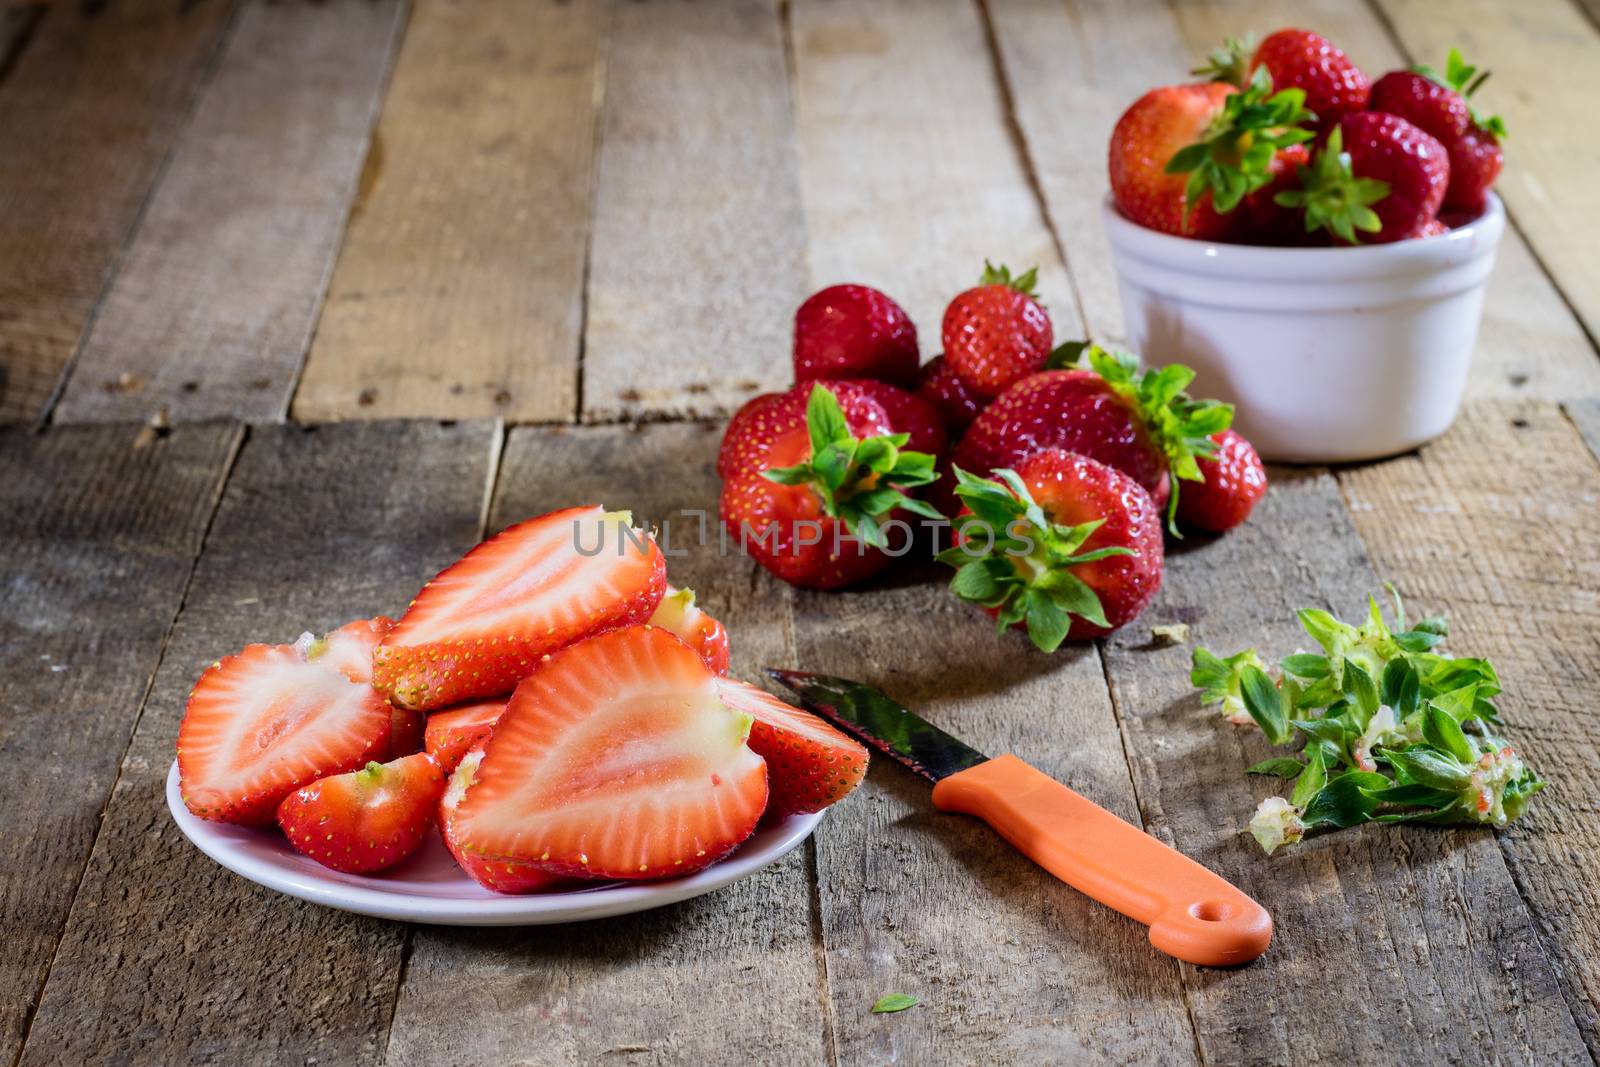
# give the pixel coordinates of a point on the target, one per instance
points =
(1233, 157)
(858, 481)
(1025, 283)
(1332, 197)
(1229, 63)
(1462, 77)
(1022, 569)
(1179, 425)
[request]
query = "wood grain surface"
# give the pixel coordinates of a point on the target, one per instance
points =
(99, 528)
(88, 114)
(699, 239)
(212, 309)
(166, 956)
(459, 286)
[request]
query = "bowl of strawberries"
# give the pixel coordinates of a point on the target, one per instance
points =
(1315, 244)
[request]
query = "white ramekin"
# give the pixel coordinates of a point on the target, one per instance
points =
(1328, 354)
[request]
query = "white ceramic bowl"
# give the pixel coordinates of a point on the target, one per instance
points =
(1328, 354)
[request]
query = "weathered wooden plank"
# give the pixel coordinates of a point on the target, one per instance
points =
(1547, 170)
(699, 239)
(1074, 68)
(212, 309)
(1498, 524)
(1585, 415)
(911, 171)
(1008, 962)
(167, 957)
(98, 532)
(1388, 938)
(458, 291)
(17, 21)
(636, 987)
(89, 113)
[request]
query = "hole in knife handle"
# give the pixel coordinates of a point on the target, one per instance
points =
(1211, 911)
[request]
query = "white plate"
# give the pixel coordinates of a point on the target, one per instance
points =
(430, 888)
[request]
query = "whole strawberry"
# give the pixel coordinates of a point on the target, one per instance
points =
(909, 414)
(1300, 59)
(365, 820)
(854, 331)
(998, 332)
(807, 493)
(944, 391)
(1475, 153)
(1063, 546)
(1234, 481)
(1377, 179)
(1140, 423)
(1437, 110)
(872, 408)
(1265, 221)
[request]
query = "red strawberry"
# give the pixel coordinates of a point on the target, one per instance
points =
(1437, 110)
(810, 765)
(502, 876)
(452, 734)
(407, 732)
(854, 331)
(765, 424)
(1300, 59)
(365, 820)
(1140, 423)
(911, 415)
(273, 718)
(349, 648)
(679, 615)
(1475, 162)
(1377, 179)
(808, 496)
(478, 628)
(750, 431)
(1235, 480)
(1266, 222)
(1063, 546)
(615, 759)
(944, 391)
(997, 332)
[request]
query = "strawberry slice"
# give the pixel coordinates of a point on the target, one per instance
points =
(365, 820)
(809, 764)
(273, 718)
(480, 627)
(502, 876)
(349, 648)
(452, 734)
(407, 732)
(679, 614)
(615, 759)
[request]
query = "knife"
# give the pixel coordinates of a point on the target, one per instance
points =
(1192, 913)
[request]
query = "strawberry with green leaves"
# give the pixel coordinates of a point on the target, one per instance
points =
(1331, 84)
(1475, 153)
(809, 498)
(1377, 179)
(1063, 546)
(997, 332)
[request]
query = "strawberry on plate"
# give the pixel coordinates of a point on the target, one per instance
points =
(502, 876)
(1377, 179)
(810, 765)
(1103, 407)
(1064, 547)
(1300, 59)
(272, 718)
(1234, 481)
(808, 496)
(615, 759)
(452, 733)
(997, 332)
(679, 615)
(366, 820)
(480, 627)
(942, 389)
(854, 331)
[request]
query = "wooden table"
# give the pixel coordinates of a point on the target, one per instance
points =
(298, 300)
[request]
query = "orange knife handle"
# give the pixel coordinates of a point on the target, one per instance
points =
(1192, 913)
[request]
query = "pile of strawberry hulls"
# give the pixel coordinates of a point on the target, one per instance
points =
(1065, 459)
(549, 702)
(1291, 144)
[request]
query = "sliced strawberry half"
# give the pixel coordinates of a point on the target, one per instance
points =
(616, 759)
(502, 876)
(680, 615)
(365, 820)
(273, 718)
(480, 627)
(349, 649)
(452, 734)
(810, 765)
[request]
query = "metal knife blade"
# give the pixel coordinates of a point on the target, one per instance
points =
(866, 713)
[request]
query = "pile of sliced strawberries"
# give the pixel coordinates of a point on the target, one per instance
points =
(549, 702)
(1290, 143)
(1050, 467)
